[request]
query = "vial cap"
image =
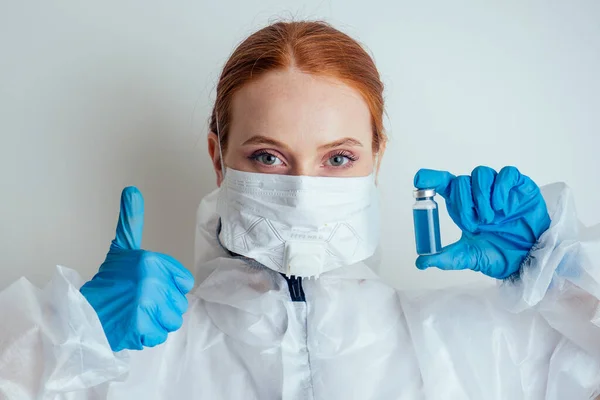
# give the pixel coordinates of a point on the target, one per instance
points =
(422, 193)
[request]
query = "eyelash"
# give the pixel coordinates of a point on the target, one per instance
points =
(340, 153)
(343, 153)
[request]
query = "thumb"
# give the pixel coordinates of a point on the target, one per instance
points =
(456, 256)
(433, 179)
(131, 220)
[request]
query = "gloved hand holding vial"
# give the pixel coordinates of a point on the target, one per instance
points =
(501, 216)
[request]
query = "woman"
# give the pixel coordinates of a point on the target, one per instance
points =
(296, 139)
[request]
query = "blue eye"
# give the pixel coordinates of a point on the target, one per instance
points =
(267, 159)
(341, 159)
(338, 160)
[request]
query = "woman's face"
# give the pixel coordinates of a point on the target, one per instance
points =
(288, 122)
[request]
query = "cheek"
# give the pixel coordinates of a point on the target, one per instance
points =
(367, 164)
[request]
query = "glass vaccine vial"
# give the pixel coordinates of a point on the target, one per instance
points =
(427, 222)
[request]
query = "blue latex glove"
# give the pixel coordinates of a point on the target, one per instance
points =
(138, 295)
(501, 216)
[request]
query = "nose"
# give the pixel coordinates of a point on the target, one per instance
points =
(303, 168)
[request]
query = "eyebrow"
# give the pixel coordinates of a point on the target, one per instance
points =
(258, 139)
(342, 142)
(263, 140)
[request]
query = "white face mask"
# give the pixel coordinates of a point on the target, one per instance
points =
(299, 225)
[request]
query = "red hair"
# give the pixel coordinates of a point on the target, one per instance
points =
(312, 47)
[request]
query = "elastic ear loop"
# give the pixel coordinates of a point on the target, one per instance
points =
(220, 149)
(224, 207)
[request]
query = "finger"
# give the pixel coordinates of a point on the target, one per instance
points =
(183, 279)
(131, 220)
(177, 300)
(456, 256)
(170, 271)
(169, 318)
(507, 178)
(154, 338)
(148, 327)
(482, 181)
(461, 205)
(439, 180)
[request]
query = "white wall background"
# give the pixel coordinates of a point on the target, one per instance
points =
(95, 96)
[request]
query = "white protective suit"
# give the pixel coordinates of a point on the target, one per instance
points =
(250, 334)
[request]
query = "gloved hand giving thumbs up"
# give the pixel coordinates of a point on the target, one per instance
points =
(138, 295)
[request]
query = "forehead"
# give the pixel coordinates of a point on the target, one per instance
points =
(300, 110)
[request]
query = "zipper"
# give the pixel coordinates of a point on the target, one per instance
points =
(294, 283)
(296, 289)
